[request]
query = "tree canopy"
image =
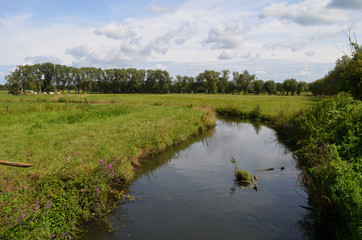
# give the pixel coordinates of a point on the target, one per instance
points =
(48, 77)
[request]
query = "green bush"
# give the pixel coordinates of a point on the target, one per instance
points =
(329, 141)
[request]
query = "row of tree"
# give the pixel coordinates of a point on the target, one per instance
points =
(48, 77)
(345, 77)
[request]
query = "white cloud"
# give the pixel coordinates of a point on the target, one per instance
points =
(308, 12)
(346, 4)
(43, 59)
(260, 72)
(303, 73)
(227, 36)
(115, 30)
(162, 43)
(226, 54)
(160, 66)
(160, 9)
(293, 46)
(309, 53)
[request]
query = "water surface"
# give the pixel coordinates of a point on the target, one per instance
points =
(193, 195)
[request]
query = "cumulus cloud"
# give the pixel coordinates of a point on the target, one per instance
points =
(79, 51)
(303, 73)
(346, 4)
(228, 36)
(226, 54)
(131, 50)
(160, 9)
(42, 59)
(309, 53)
(308, 12)
(293, 46)
(115, 31)
(160, 66)
(260, 72)
(162, 43)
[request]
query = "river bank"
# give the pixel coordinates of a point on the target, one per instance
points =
(85, 154)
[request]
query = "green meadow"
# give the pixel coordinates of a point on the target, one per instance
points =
(84, 149)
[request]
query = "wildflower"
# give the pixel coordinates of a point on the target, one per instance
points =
(48, 204)
(315, 167)
(97, 189)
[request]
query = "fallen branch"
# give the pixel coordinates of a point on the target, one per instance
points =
(14, 164)
(266, 169)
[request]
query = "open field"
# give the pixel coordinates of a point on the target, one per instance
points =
(270, 105)
(84, 155)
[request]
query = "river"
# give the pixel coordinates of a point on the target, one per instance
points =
(190, 193)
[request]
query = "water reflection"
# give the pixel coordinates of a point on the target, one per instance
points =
(192, 194)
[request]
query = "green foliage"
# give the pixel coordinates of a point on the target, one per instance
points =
(345, 77)
(329, 139)
(270, 87)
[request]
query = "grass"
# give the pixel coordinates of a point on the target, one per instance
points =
(224, 104)
(84, 155)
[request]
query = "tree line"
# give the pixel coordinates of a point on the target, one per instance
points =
(345, 77)
(49, 77)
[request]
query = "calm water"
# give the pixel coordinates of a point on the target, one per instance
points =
(192, 194)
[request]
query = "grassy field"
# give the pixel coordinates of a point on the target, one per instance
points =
(270, 105)
(84, 155)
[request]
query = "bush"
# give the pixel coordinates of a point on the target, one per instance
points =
(329, 141)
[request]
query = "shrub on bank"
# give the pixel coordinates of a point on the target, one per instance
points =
(329, 141)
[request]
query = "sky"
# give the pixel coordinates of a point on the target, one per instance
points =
(275, 40)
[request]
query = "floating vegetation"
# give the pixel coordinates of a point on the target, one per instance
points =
(243, 177)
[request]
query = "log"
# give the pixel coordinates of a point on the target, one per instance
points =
(15, 164)
(266, 169)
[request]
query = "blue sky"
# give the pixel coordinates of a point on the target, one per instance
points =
(273, 39)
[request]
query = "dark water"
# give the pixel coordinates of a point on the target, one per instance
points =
(193, 194)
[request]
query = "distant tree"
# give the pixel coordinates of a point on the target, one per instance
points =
(302, 87)
(270, 87)
(258, 86)
(280, 88)
(242, 81)
(290, 85)
(211, 80)
(48, 71)
(222, 84)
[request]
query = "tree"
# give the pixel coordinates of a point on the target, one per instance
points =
(302, 87)
(243, 81)
(258, 86)
(222, 83)
(48, 77)
(290, 85)
(211, 80)
(270, 87)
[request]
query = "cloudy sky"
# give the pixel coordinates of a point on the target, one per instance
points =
(273, 39)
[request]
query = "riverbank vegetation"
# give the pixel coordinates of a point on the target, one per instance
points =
(328, 137)
(84, 149)
(82, 155)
